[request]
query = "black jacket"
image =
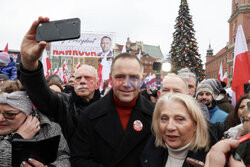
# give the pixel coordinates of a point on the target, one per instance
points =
(100, 140)
(224, 104)
(153, 156)
(63, 108)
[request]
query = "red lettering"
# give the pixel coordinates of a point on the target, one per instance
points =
(61, 53)
(87, 53)
(93, 53)
(55, 52)
(68, 52)
(75, 52)
(81, 53)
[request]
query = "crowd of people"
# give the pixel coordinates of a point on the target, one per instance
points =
(184, 124)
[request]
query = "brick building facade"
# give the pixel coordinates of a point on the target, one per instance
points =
(240, 15)
(149, 54)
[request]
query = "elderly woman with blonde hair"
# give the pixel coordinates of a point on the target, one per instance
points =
(180, 131)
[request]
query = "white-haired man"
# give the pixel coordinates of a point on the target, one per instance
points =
(190, 79)
(173, 83)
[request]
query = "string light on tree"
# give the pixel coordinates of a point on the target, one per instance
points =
(184, 49)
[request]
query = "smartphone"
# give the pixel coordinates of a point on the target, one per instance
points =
(44, 150)
(58, 30)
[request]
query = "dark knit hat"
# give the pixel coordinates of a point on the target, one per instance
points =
(204, 88)
(215, 84)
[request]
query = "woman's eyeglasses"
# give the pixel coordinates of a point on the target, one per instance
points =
(10, 115)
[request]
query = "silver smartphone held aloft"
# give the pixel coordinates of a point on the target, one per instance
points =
(58, 30)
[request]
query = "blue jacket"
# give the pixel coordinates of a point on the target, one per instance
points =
(10, 70)
(217, 115)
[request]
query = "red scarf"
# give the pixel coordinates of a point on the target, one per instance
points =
(124, 110)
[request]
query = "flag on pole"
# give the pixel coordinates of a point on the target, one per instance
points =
(77, 66)
(103, 71)
(241, 65)
(46, 64)
(139, 55)
(220, 75)
(225, 78)
(124, 50)
(55, 71)
(99, 73)
(65, 69)
(60, 73)
(6, 48)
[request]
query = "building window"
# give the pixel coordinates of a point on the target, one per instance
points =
(81, 61)
(75, 60)
(145, 67)
(88, 62)
(69, 62)
(63, 60)
(93, 62)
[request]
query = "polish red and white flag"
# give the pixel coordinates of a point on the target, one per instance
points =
(65, 69)
(55, 71)
(6, 48)
(241, 65)
(139, 55)
(220, 75)
(124, 49)
(46, 64)
(99, 73)
(225, 78)
(77, 66)
(60, 73)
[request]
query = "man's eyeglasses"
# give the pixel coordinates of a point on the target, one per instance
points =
(10, 115)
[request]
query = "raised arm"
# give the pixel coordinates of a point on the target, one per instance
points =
(31, 51)
(32, 77)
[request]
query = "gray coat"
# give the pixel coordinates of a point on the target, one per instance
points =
(48, 129)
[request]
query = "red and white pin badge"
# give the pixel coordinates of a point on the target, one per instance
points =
(137, 125)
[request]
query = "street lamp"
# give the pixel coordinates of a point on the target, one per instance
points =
(166, 67)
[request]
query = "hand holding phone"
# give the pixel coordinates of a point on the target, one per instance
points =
(31, 50)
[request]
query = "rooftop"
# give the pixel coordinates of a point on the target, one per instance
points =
(154, 51)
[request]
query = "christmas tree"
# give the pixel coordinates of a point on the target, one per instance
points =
(184, 50)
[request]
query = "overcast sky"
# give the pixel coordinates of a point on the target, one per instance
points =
(150, 21)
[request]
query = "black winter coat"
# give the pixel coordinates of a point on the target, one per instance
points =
(153, 156)
(61, 107)
(100, 140)
(224, 104)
